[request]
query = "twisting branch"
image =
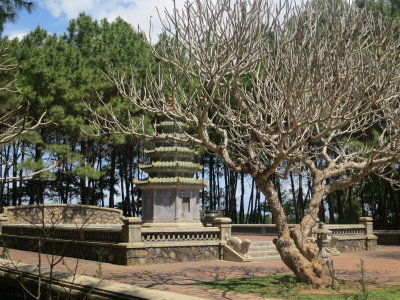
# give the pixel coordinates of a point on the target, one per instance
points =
(274, 88)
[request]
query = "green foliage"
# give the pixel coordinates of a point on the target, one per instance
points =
(61, 75)
(386, 7)
(101, 252)
(10, 8)
(285, 286)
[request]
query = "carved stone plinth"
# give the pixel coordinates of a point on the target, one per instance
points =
(170, 204)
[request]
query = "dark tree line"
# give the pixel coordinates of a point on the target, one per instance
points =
(59, 74)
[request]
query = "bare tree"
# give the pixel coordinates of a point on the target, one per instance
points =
(16, 121)
(277, 88)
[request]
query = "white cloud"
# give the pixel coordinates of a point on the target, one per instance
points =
(19, 34)
(136, 12)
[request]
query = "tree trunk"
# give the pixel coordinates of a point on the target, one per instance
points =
(296, 208)
(250, 205)
(218, 190)
(203, 200)
(211, 180)
(21, 173)
(121, 176)
(127, 185)
(6, 156)
(330, 206)
(82, 178)
(232, 198)
(112, 178)
(241, 210)
(301, 256)
(258, 203)
(300, 200)
(14, 173)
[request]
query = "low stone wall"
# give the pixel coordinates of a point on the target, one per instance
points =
(388, 237)
(121, 254)
(351, 237)
(62, 214)
(172, 253)
(110, 234)
(356, 243)
(129, 244)
(264, 229)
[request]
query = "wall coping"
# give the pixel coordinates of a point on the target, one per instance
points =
(387, 232)
(344, 226)
(259, 225)
(356, 237)
(137, 245)
(6, 208)
(76, 226)
(179, 229)
(292, 225)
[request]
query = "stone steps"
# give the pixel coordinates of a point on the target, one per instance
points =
(262, 251)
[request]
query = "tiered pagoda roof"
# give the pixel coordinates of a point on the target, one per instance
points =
(171, 160)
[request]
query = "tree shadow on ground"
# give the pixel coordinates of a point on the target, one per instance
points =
(186, 282)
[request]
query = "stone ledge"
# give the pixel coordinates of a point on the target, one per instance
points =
(179, 229)
(355, 237)
(387, 232)
(173, 244)
(77, 226)
(62, 214)
(94, 288)
(5, 208)
(92, 243)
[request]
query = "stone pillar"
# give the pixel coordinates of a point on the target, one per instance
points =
(368, 223)
(132, 230)
(3, 220)
(225, 226)
(371, 241)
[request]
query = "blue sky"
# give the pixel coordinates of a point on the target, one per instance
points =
(54, 15)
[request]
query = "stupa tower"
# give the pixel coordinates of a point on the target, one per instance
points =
(170, 192)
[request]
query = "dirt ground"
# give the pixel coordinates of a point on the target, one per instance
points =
(382, 266)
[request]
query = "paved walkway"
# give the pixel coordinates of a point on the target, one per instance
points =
(382, 266)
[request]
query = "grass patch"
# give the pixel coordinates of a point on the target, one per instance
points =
(286, 286)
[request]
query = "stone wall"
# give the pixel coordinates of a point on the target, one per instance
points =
(388, 237)
(172, 254)
(353, 244)
(107, 252)
(121, 254)
(62, 214)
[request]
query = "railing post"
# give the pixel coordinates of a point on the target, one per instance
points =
(263, 230)
(132, 230)
(368, 223)
(3, 220)
(225, 227)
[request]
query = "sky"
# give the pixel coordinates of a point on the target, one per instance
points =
(54, 15)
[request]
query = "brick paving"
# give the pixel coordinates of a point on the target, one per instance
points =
(382, 266)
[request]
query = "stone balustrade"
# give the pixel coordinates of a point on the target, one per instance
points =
(88, 233)
(351, 237)
(131, 243)
(337, 229)
(131, 232)
(180, 234)
(346, 230)
(264, 229)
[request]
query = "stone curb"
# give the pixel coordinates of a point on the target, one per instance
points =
(94, 288)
